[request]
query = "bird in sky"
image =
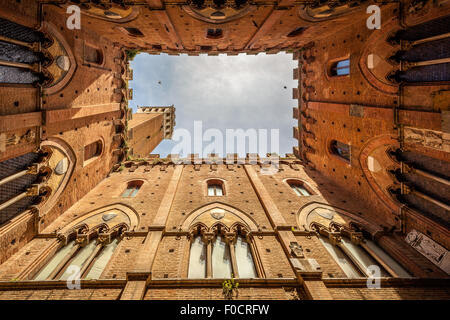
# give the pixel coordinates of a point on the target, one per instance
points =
(159, 82)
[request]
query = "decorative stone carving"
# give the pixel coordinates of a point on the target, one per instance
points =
(230, 237)
(296, 250)
(104, 238)
(335, 237)
(325, 213)
(427, 138)
(430, 249)
(416, 5)
(218, 11)
(82, 240)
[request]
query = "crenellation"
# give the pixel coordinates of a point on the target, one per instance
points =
(367, 173)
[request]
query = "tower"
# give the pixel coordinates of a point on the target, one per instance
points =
(148, 127)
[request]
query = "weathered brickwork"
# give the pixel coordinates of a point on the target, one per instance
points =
(83, 294)
(389, 293)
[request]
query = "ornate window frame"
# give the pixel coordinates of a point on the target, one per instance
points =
(135, 184)
(82, 235)
(216, 181)
(355, 229)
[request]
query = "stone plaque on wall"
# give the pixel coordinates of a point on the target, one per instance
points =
(356, 110)
(430, 249)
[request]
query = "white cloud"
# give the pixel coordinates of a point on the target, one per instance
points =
(225, 92)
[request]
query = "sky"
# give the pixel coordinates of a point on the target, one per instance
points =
(223, 92)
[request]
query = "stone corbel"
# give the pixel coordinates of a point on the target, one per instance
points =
(335, 237)
(356, 237)
(230, 238)
(33, 190)
(104, 238)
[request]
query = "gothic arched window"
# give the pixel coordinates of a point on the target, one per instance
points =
(215, 188)
(197, 259)
(93, 150)
(88, 259)
(218, 253)
(221, 259)
(134, 32)
(340, 149)
(340, 68)
(17, 57)
(244, 258)
(298, 187)
(132, 188)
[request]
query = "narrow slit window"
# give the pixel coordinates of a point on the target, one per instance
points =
(134, 32)
(221, 260)
(340, 68)
(299, 188)
(197, 259)
(92, 150)
(244, 259)
(93, 55)
(350, 270)
(215, 188)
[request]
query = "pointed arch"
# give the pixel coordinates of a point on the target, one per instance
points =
(65, 158)
(329, 216)
(231, 215)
